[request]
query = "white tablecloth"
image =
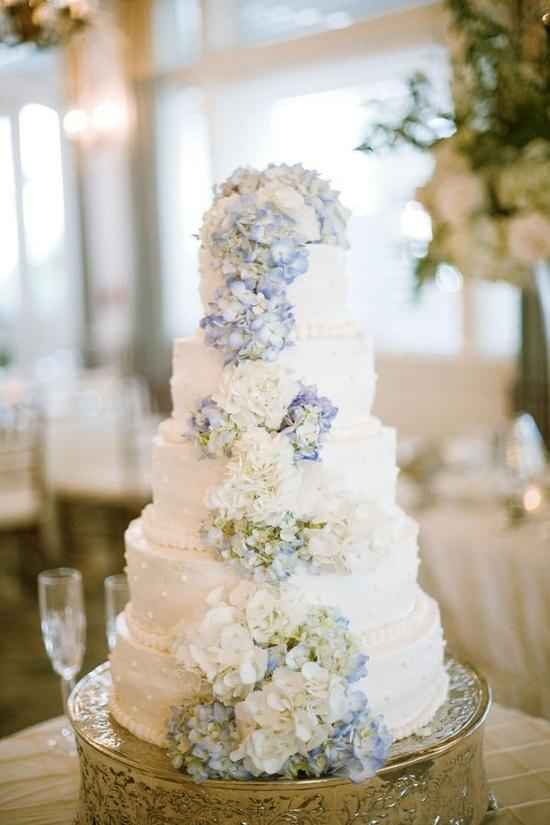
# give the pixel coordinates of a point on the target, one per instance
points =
(493, 585)
(38, 786)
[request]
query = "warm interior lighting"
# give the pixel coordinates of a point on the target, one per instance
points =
(109, 117)
(75, 123)
(106, 119)
(532, 498)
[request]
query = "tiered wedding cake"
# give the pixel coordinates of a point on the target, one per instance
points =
(276, 625)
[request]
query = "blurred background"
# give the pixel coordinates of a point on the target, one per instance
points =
(112, 132)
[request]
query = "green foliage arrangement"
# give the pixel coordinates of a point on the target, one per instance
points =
(489, 196)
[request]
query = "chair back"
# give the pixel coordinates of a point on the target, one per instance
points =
(22, 485)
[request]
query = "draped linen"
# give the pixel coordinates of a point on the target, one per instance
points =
(492, 582)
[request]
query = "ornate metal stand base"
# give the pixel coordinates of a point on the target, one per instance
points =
(436, 779)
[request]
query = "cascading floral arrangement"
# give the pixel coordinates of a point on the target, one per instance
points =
(489, 195)
(44, 23)
(276, 676)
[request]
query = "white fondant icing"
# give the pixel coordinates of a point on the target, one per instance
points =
(406, 679)
(171, 572)
(340, 365)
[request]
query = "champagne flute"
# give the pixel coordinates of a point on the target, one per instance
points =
(63, 625)
(117, 597)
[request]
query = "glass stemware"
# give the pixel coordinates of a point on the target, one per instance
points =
(63, 625)
(117, 597)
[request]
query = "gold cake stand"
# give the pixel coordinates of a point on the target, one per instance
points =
(435, 779)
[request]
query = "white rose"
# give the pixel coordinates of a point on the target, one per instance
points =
(529, 237)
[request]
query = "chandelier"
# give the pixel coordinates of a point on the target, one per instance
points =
(44, 23)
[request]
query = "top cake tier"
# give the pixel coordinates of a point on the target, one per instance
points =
(272, 260)
(319, 296)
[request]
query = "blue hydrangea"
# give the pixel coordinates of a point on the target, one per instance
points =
(317, 193)
(308, 420)
(201, 739)
(357, 747)
(270, 553)
(244, 180)
(248, 234)
(213, 429)
(287, 260)
(244, 324)
(204, 740)
(325, 638)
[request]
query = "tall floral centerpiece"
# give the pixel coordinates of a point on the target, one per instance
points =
(489, 195)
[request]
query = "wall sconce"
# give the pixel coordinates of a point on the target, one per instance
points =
(106, 121)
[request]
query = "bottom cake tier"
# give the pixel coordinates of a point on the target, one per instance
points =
(406, 682)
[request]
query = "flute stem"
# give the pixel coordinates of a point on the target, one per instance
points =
(66, 687)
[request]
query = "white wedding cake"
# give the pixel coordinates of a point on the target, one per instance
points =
(276, 626)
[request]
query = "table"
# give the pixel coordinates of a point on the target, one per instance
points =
(492, 582)
(40, 787)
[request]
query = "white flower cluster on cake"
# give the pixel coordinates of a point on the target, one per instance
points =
(277, 696)
(257, 235)
(256, 394)
(276, 675)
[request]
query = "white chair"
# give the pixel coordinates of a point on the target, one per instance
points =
(22, 490)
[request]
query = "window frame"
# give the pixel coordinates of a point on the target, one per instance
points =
(20, 88)
(224, 63)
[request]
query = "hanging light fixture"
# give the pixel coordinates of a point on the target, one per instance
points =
(44, 23)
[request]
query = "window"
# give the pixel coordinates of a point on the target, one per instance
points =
(43, 207)
(185, 191)
(262, 21)
(292, 104)
(37, 273)
(9, 294)
(177, 30)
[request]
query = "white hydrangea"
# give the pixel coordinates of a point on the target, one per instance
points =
(262, 480)
(270, 620)
(256, 393)
(318, 194)
(290, 201)
(222, 649)
(290, 715)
